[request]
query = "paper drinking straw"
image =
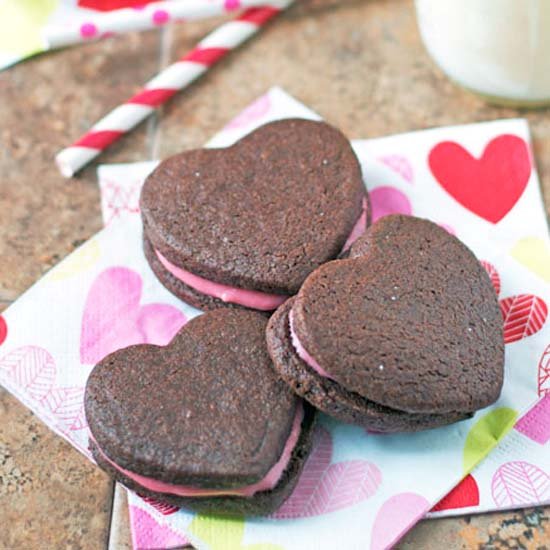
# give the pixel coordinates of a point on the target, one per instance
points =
(147, 17)
(162, 87)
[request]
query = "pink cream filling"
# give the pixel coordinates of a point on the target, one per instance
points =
(359, 227)
(358, 230)
(254, 299)
(302, 352)
(248, 298)
(265, 484)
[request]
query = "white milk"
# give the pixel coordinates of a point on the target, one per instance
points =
(498, 48)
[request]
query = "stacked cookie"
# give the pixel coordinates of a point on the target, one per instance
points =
(394, 328)
(403, 335)
(174, 423)
(244, 226)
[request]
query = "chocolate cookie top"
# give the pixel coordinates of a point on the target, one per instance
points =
(206, 411)
(261, 214)
(409, 321)
(262, 503)
(332, 398)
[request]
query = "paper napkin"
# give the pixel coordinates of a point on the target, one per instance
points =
(514, 475)
(358, 490)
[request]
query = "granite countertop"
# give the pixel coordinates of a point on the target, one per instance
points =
(360, 64)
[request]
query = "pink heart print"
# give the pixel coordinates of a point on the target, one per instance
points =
(519, 482)
(324, 487)
(395, 517)
(388, 200)
(535, 423)
(544, 373)
(113, 317)
(400, 165)
(148, 533)
(67, 405)
(119, 199)
(33, 371)
(252, 113)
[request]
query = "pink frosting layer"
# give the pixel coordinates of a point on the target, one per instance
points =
(265, 484)
(254, 299)
(248, 298)
(359, 227)
(302, 352)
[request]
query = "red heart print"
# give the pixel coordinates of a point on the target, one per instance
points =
(493, 275)
(108, 5)
(489, 186)
(523, 316)
(465, 494)
(162, 507)
(3, 330)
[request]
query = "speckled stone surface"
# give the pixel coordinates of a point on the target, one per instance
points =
(359, 63)
(50, 495)
(527, 529)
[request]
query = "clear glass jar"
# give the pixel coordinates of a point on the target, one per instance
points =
(499, 49)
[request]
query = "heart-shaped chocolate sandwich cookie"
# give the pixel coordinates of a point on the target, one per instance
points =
(405, 334)
(245, 225)
(202, 423)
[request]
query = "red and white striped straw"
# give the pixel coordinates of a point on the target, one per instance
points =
(167, 83)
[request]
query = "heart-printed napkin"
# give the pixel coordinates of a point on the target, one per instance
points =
(358, 490)
(516, 473)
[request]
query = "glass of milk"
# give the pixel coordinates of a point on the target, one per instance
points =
(499, 49)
